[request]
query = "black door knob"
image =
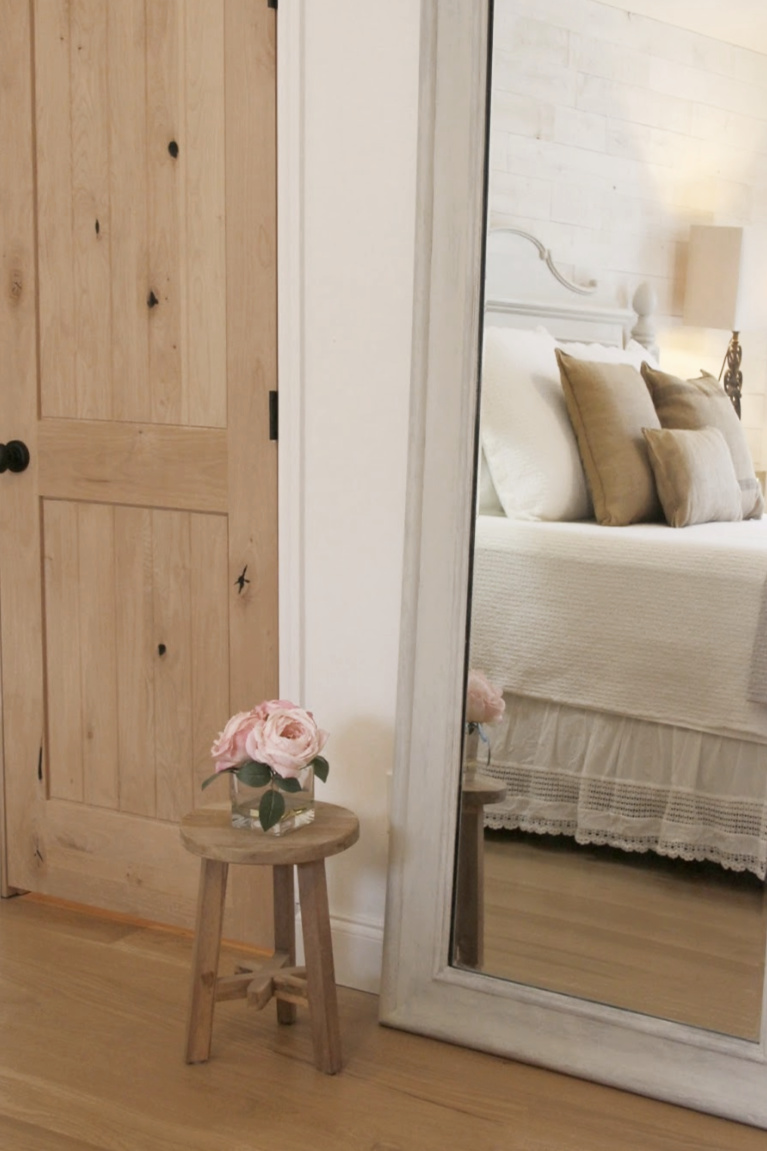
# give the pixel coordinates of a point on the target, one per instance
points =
(14, 456)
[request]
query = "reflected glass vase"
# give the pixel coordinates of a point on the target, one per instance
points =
(470, 752)
(250, 803)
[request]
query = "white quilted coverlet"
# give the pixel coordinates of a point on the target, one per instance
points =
(647, 621)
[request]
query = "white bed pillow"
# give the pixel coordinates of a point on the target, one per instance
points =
(527, 437)
(529, 444)
(633, 353)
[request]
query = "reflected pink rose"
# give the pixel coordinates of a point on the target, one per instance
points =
(484, 703)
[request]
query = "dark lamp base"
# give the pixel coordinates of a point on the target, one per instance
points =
(733, 377)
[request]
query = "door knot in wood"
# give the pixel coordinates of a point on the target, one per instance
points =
(15, 285)
(240, 582)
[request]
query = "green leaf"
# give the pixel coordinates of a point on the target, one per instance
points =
(286, 783)
(321, 767)
(270, 809)
(209, 780)
(254, 774)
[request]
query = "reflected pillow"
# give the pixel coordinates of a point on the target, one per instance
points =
(528, 441)
(704, 403)
(694, 475)
(609, 405)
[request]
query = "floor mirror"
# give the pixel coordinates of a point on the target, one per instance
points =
(577, 868)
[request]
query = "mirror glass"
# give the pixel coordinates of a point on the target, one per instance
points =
(613, 827)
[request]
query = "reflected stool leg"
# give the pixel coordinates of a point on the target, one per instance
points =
(320, 975)
(207, 947)
(469, 927)
(285, 928)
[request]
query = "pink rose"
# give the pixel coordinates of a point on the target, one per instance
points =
(263, 710)
(484, 703)
(229, 748)
(286, 737)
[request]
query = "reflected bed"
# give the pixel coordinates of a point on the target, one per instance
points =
(632, 658)
(625, 657)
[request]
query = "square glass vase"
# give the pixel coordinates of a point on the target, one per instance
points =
(298, 801)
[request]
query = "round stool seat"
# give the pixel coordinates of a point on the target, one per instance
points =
(209, 832)
(478, 790)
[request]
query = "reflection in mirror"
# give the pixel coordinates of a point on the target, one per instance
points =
(613, 828)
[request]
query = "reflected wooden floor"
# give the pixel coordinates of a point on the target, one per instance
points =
(92, 1014)
(682, 941)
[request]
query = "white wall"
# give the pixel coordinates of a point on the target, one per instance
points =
(357, 87)
(612, 133)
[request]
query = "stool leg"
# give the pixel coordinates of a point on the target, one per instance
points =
(320, 977)
(285, 928)
(207, 946)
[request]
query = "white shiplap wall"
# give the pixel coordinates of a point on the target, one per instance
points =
(611, 133)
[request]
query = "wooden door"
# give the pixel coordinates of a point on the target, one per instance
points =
(138, 552)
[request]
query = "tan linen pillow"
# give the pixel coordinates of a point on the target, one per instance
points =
(694, 475)
(609, 405)
(703, 403)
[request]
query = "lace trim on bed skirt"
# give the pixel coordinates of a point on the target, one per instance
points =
(633, 817)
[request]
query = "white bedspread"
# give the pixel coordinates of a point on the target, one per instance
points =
(647, 621)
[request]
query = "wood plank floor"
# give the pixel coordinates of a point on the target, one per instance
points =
(91, 1038)
(682, 941)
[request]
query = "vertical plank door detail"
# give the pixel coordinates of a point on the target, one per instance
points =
(139, 317)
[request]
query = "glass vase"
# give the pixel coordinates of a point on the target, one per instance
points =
(299, 804)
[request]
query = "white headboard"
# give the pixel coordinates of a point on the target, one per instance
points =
(523, 292)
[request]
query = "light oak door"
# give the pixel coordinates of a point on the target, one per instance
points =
(138, 551)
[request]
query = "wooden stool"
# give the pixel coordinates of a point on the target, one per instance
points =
(209, 833)
(469, 931)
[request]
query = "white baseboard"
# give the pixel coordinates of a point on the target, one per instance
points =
(357, 952)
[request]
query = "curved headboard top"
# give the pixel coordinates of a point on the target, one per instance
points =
(523, 291)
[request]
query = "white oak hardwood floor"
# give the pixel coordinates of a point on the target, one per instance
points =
(92, 1011)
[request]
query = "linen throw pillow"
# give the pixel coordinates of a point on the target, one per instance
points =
(526, 434)
(609, 405)
(703, 403)
(694, 475)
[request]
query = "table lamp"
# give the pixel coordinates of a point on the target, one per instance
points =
(727, 289)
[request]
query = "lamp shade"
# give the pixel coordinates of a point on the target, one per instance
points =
(726, 278)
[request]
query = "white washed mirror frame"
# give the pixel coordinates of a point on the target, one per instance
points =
(421, 992)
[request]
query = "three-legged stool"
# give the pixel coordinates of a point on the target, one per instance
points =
(209, 833)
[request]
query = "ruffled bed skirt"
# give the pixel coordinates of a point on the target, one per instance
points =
(634, 785)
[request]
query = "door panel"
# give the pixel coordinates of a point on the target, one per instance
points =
(140, 173)
(116, 579)
(131, 172)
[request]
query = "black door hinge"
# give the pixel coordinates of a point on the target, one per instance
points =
(273, 416)
(40, 764)
(271, 3)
